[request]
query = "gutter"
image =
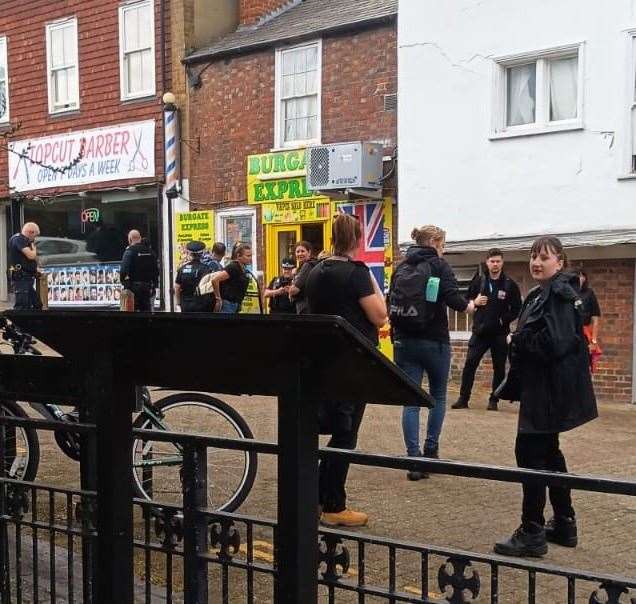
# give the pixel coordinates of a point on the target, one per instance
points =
(254, 46)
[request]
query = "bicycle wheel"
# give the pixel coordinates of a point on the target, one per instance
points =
(22, 447)
(157, 466)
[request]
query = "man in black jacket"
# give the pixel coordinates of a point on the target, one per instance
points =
(140, 271)
(498, 302)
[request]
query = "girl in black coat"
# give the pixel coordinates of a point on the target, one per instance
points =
(550, 376)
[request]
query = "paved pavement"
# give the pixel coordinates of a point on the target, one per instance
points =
(451, 512)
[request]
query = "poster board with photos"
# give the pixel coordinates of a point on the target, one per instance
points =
(83, 284)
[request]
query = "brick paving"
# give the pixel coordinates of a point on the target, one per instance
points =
(451, 512)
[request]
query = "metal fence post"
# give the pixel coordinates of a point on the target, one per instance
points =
(297, 541)
(195, 527)
(5, 583)
(112, 395)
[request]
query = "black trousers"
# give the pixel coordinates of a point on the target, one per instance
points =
(26, 298)
(542, 452)
(333, 471)
(144, 295)
(477, 347)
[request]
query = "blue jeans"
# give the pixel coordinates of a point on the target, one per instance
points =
(229, 307)
(417, 356)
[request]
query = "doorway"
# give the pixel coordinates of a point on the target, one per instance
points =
(281, 241)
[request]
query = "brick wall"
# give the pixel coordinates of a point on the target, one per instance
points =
(613, 283)
(23, 23)
(251, 11)
(233, 110)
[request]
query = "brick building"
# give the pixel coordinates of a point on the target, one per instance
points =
(81, 85)
(292, 74)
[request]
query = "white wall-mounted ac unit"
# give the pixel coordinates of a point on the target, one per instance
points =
(343, 166)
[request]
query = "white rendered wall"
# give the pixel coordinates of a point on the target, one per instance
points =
(452, 175)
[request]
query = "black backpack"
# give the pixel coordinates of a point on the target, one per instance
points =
(408, 308)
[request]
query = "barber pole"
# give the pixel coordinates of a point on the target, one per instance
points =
(171, 150)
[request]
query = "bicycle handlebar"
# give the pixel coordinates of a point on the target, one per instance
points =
(21, 343)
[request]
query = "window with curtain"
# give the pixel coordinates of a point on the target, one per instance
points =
(4, 82)
(137, 49)
(61, 57)
(298, 82)
(542, 92)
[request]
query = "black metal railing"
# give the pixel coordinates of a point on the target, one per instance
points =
(225, 557)
(97, 543)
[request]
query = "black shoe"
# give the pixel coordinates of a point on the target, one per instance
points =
(531, 543)
(460, 404)
(562, 531)
(416, 474)
(492, 404)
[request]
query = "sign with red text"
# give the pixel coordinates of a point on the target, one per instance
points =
(119, 152)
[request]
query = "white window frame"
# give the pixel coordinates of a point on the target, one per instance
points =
(543, 124)
(4, 61)
(49, 27)
(124, 94)
(279, 121)
(231, 213)
(627, 168)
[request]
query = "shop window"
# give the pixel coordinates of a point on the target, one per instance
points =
(137, 49)
(4, 82)
(237, 226)
(298, 95)
(82, 242)
(62, 65)
(539, 92)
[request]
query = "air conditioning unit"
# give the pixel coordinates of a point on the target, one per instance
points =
(344, 166)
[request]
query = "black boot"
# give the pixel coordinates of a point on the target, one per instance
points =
(524, 542)
(461, 403)
(562, 531)
(416, 474)
(492, 403)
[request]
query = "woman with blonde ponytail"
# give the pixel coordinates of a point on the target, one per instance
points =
(421, 341)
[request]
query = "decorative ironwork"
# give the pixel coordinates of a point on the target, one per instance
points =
(609, 593)
(169, 528)
(333, 554)
(226, 537)
(86, 515)
(459, 580)
(17, 501)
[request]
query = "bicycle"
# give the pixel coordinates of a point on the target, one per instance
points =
(157, 466)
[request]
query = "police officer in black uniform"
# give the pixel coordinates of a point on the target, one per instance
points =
(188, 277)
(140, 271)
(23, 265)
(278, 290)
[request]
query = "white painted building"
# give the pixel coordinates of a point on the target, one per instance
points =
(516, 119)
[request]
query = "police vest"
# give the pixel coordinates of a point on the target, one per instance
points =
(189, 276)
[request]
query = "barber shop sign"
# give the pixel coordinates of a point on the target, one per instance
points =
(119, 152)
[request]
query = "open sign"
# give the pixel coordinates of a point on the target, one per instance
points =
(90, 215)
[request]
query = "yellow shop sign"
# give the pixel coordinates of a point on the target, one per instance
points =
(277, 177)
(306, 210)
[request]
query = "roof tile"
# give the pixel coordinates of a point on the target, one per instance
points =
(300, 20)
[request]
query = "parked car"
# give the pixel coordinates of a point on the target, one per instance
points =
(58, 250)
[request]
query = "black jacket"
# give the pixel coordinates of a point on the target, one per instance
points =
(139, 264)
(503, 305)
(449, 295)
(550, 365)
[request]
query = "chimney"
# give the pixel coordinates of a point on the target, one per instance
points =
(251, 11)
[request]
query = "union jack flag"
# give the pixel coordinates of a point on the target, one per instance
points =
(371, 217)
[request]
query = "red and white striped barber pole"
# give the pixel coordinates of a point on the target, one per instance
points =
(171, 150)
